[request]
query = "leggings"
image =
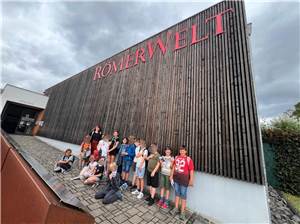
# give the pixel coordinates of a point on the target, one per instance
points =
(108, 196)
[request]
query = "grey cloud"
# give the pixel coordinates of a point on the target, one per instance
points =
(44, 43)
(275, 47)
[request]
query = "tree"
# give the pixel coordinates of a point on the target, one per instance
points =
(296, 112)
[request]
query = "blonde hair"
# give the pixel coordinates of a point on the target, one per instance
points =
(131, 139)
(143, 143)
(106, 136)
(87, 139)
(112, 166)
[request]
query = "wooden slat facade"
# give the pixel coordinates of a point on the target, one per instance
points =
(201, 96)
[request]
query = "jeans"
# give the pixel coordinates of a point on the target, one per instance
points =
(109, 196)
(180, 190)
(126, 166)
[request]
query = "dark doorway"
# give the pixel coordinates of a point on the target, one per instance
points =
(18, 118)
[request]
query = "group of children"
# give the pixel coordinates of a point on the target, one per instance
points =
(112, 159)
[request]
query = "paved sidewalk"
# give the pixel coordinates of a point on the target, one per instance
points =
(129, 211)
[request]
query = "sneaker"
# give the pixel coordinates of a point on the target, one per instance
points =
(182, 217)
(63, 170)
(151, 201)
(135, 192)
(174, 211)
(160, 203)
(140, 195)
(75, 178)
(57, 169)
(125, 186)
(165, 205)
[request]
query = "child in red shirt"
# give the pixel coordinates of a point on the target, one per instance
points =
(182, 175)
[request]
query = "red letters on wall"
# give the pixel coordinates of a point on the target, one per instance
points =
(181, 41)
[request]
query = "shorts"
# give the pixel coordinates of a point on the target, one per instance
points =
(180, 190)
(133, 166)
(113, 153)
(126, 166)
(165, 181)
(140, 173)
(153, 181)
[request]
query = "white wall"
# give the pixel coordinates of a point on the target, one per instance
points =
(228, 200)
(22, 96)
(62, 146)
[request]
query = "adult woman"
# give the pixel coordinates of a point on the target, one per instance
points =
(96, 135)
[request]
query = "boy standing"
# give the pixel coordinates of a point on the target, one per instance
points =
(166, 163)
(152, 172)
(137, 146)
(182, 175)
(140, 169)
(127, 161)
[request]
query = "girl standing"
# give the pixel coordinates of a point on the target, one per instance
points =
(96, 135)
(113, 149)
(85, 151)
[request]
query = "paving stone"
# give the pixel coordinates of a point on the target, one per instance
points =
(135, 219)
(143, 209)
(94, 206)
(132, 211)
(96, 212)
(120, 218)
(129, 211)
(147, 217)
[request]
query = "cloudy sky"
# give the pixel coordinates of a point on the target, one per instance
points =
(44, 43)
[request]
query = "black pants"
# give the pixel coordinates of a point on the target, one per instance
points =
(65, 166)
(119, 170)
(109, 196)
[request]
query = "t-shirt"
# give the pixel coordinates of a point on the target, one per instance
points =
(166, 164)
(70, 159)
(114, 140)
(95, 136)
(137, 149)
(123, 148)
(141, 158)
(85, 146)
(131, 152)
(103, 147)
(152, 162)
(92, 165)
(183, 166)
(99, 169)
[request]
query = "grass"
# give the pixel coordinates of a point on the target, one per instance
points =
(293, 200)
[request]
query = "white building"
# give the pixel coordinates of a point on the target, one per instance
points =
(20, 108)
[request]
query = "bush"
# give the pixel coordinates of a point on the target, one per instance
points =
(284, 136)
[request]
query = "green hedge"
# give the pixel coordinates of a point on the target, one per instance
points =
(286, 145)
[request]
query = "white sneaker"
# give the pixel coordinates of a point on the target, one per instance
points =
(135, 192)
(75, 178)
(140, 195)
(57, 169)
